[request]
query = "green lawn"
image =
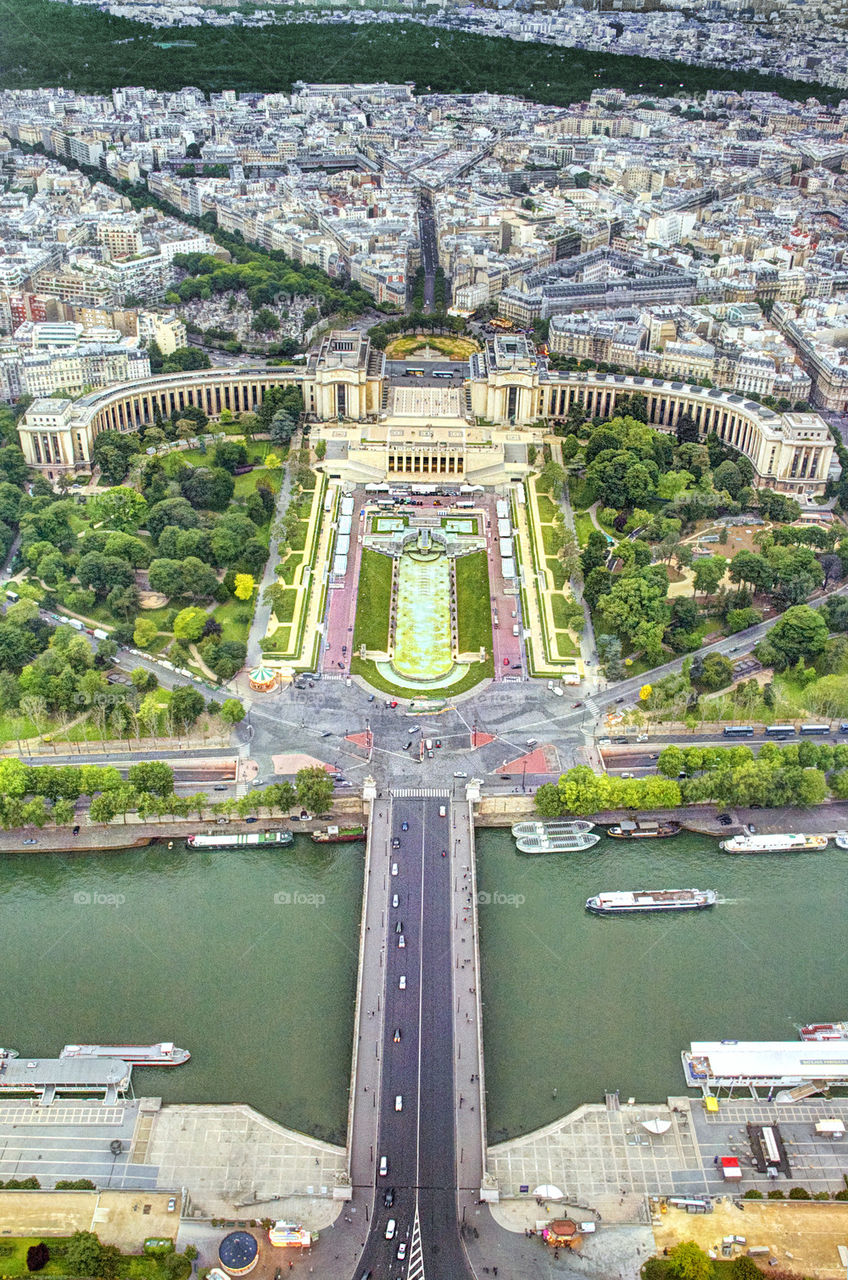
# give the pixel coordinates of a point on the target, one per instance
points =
(473, 602)
(547, 510)
(477, 671)
(561, 609)
(373, 601)
(550, 538)
(583, 525)
(557, 569)
(285, 613)
(226, 614)
(129, 1266)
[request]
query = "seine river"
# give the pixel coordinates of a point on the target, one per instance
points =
(248, 958)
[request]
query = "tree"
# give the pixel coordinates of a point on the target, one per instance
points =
(800, 633)
(708, 573)
(144, 633)
(595, 553)
(166, 576)
(230, 454)
(686, 429)
(687, 1262)
(152, 775)
(186, 705)
(716, 672)
(103, 573)
(548, 801)
(232, 711)
(189, 624)
(314, 789)
(245, 586)
(726, 477)
(122, 508)
(210, 488)
(171, 511)
(84, 1252)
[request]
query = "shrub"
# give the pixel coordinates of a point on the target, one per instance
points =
(753, 1195)
(38, 1256)
(776, 1195)
(799, 1193)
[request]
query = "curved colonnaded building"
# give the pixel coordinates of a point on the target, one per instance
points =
(472, 429)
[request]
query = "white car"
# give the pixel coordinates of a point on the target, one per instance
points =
(628, 775)
(395, 900)
(402, 982)
(559, 693)
(394, 869)
(401, 1253)
(460, 775)
(401, 941)
(390, 1229)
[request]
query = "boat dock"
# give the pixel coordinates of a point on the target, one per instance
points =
(713, 1065)
(51, 1077)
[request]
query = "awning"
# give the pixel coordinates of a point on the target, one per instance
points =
(549, 1192)
(656, 1125)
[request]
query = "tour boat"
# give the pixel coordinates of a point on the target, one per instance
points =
(825, 1031)
(626, 901)
(790, 842)
(142, 1055)
(554, 837)
(220, 840)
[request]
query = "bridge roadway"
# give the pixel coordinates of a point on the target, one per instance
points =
(417, 1024)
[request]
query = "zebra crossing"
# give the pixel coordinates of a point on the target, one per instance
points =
(418, 792)
(415, 1270)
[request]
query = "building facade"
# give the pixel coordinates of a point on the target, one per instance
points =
(509, 399)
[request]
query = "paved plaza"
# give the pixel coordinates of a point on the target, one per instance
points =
(596, 1156)
(235, 1161)
(433, 403)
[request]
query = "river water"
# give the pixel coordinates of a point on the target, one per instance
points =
(248, 958)
(578, 1004)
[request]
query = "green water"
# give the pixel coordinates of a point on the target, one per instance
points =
(261, 992)
(579, 1004)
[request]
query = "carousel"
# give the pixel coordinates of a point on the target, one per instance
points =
(262, 679)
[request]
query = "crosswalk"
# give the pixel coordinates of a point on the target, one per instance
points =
(418, 792)
(415, 1270)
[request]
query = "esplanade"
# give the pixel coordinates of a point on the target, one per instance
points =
(380, 426)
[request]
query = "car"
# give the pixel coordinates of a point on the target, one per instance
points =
(627, 775)
(401, 941)
(516, 666)
(408, 745)
(393, 702)
(396, 1035)
(389, 1197)
(556, 690)
(399, 927)
(251, 819)
(404, 826)
(460, 775)
(430, 755)
(30, 841)
(506, 662)
(843, 728)
(395, 900)
(371, 697)
(398, 1102)
(390, 1229)
(576, 704)
(395, 842)
(172, 1204)
(384, 1166)
(438, 742)
(620, 740)
(219, 786)
(618, 701)
(401, 1253)
(402, 982)
(394, 868)
(328, 733)
(725, 820)
(641, 737)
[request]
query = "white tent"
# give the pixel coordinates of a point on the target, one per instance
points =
(656, 1125)
(548, 1192)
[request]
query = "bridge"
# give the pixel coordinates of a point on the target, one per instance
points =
(416, 1126)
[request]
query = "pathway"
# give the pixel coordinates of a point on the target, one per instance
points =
(262, 612)
(587, 637)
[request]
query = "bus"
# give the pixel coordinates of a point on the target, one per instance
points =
(780, 730)
(414, 373)
(442, 373)
(820, 730)
(738, 731)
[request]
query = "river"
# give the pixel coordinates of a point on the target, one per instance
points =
(577, 1004)
(248, 958)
